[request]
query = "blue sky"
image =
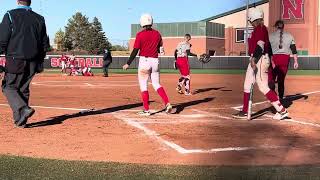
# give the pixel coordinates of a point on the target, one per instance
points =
(116, 16)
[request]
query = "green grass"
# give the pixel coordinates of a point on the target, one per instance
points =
(12, 167)
(195, 71)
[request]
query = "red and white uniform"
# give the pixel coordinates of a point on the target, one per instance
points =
(260, 37)
(63, 62)
(182, 59)
(86, 71)
(280, 42)
(148, 41)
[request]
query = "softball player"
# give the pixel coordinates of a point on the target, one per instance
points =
(63, 61)
(257, 72)
(149, 42)
(283, 45)
(182, 63)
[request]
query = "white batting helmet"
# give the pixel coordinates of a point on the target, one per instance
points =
(255, 14)
(146, 20)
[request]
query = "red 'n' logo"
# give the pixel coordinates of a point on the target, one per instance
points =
(292, 9)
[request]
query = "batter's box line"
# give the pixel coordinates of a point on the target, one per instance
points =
(263, 102)
(154, 135)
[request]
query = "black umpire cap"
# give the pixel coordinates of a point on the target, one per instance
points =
(27, 1)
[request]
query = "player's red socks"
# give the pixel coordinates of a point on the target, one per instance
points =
(145, 100)
(246, 97)
(272, 96)
(163, 95)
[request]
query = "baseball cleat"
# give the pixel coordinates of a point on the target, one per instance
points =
(169, 108)
(281, 115)
(240, 115)
(144, 113)
(188, 93)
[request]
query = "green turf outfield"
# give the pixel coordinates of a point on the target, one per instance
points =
(195, 71)
(12, 167)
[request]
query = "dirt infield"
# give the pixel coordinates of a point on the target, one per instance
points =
(200, 132)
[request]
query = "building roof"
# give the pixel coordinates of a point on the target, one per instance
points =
(236, 10)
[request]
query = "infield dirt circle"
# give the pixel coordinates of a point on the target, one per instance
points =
(94, 119)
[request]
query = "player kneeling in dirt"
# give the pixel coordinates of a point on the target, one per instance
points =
(182, 63)
(149, 42)
(259, 47)
(86, 71)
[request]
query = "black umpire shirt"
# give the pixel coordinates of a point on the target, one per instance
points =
(23, 37)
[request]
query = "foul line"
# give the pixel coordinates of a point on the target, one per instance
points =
(57, 108)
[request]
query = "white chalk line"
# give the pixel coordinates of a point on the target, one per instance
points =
(238, 108)
(68, 81)
(56, 108)
(296, 121)
(270, 117)
(259, 103)
(154, 135)
(85, 85)
(227, 118)
(238, 149)
(96, 84)
(170, 144)
(150, 133)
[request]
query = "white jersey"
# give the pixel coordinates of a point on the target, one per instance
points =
(182, 49)
(72, 58)
(287, 41)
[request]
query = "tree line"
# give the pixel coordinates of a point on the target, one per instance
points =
(82, 35)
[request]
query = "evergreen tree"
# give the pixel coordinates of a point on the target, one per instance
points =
(77, 32)
(97, 41)
(59, 40)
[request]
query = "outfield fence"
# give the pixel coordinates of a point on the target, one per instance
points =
(166, 62)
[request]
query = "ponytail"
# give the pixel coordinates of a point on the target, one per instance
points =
(281, 39)
(280, 26)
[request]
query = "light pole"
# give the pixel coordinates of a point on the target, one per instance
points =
(247, 28)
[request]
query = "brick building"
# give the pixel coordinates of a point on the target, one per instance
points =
(302, 19)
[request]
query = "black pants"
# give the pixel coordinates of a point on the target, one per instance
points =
(16, 88)
(106, 65)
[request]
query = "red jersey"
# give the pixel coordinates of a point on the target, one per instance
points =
(64, 58)
(148, 42)
(72, 62)
(260, 33)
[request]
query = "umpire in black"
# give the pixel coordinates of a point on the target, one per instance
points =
(107, 60)
(24, 40)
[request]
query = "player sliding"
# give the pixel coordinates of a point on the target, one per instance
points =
(182, 63)
(259, 47)
(149, 42)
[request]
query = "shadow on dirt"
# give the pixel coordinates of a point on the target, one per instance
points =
(199, 91)
(180, 107)
(287, 102)
(60, 119)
